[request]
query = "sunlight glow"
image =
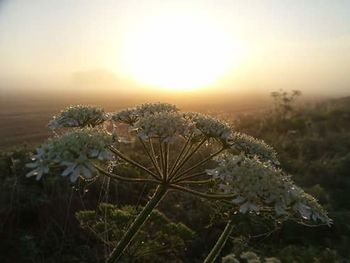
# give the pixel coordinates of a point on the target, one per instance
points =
(179, 52)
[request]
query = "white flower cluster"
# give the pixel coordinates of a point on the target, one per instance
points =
(210, 127)
(128, 116)
(164, 125)
(258, 184)
(132, 115)
(78, 116)
(252, 146)
(73, 151)
(152, 108)
(164, 120)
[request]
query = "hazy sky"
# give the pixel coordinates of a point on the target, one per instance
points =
(222, 45)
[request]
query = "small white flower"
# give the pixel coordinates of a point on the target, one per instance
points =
(248, 207)
(81, 167)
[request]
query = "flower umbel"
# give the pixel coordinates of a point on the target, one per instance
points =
(132, 115)
(73, 150)
(258, 184)
(152, 108)
(78, 116)
(163, 125)
(209, 127)
(252, 146)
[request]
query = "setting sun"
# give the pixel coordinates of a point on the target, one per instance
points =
(179, 52)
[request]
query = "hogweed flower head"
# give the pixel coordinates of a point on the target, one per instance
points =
(132, 115)
(74, 151)
(209, 127)
(258, 184)
(253, 147)
(152, 108)
(78, 116)
(163, 125)
(128, 116)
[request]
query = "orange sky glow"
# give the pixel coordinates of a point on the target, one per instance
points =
(133, 47)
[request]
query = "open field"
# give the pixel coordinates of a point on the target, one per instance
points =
(24, 120)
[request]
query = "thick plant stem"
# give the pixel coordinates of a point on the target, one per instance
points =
(137, 224)
(214, 253)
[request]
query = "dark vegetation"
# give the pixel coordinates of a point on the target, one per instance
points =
(41, 222)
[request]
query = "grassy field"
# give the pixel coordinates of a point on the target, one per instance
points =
(24, 122)
(24, 119)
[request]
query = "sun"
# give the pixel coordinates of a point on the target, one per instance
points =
(178, 52)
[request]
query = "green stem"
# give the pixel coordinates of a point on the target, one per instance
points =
(137, 224)
(152, 158)
(189, 177)
(126, 179)
(127, 159)
(185, 159)
(178, 176)
(166, 160)
(153, 153)
(197, 182)
(161, 157)
(214, 253)
(200, 194)
(179, 156)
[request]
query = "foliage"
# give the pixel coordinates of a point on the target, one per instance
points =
(160, 239)
(248, 257)
(283, 101)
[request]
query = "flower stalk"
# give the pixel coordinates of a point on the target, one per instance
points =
(137, 224)
(215, 252)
